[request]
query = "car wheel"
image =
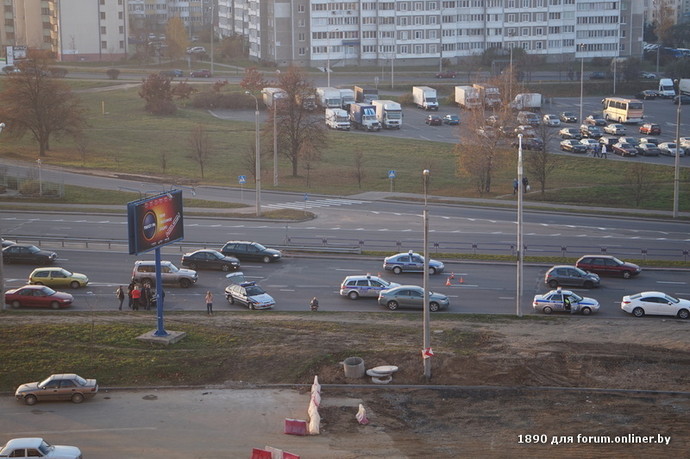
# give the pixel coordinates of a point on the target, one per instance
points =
(266, 259)
(638, 312)
(74, 284)
(77, 398)
(432, 270)
(627, 274)
(225, 268)
(683, 314)
(30, 399)
(553, 283)
(185, 283)
(251, 306)
(231, 299)
(392, 305)
(547, 310)
(586, 311)
(15, 304)
(55, 305)
(588, 284)
(397, 270)
(353, 295)
(193, 266)
(433, 306)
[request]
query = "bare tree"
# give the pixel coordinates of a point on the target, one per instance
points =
(83, 148)
(163, 160)
(638, 176)
(311, 155)
(359, 167)
(538, 162)
(200, 144)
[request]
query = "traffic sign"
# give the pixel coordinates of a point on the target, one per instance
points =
(242, 179)
(391, 174)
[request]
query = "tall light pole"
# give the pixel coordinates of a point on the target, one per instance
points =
(580, 47)
(518, 290)
(257, 147)
(213, 31)
(425, 306)
(2, 268)
(676, 165)
(328, 59)
(40, 179)
(275, 140)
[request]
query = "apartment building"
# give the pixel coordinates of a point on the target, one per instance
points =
(154, 14)
(416, 32)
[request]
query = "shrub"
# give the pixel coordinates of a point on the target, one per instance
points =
(29, 188)
(113, 74)
(161, 107)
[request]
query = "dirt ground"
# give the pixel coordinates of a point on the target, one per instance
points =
(500, 387)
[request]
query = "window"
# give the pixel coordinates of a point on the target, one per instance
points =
(102, 15)
(104, 44)
(103, 32)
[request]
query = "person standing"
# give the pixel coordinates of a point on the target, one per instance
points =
(146, 297)
(516, 184)
(120, 295)
(209, 302)
(130, 287)
(603, 150)
(525, 184)
(136, 297)
(314, 304)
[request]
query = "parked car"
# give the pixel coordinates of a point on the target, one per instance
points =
(174, 73)
(411, 296)
(597, 76)
(614, 129)
(209, 259)
(446, 74)
(624, 149)
(590, 131)
(551, 120)
(573, 146)
(250, 251)
(648, 75)
(684, 143)
(67, 386)
(22, 253)
(144, 272)
(564, 301)
(669, 149)
(452, 120)
(526, 130)
(433, 120)
(608, 140)
(37, 296)
(410, 262)
(570, 275)
(592, 145)
(655, 303)
(682, 99)
(354, 287)
(631, 140)
(250, 295)
(650, 129)
(568, 117)
(648, 149)
(529, 143)
(647, 94)
(38, 447)
(57, 277)
(595, 120)
(196, 50)
(654, 140)
(6, 242)
(570, 133)
(608, 265)
(203, 73)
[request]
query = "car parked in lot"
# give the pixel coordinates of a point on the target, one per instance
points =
(144, 272)
(650, 129)
(595, 120)
(249, 294)
(433, 120)
(551, 120)
(614, 129)
(590, 131)
(203, 73)
(564, 301)
(354, 287)
(681, 99)
(648, 75)
(410, 262)
(652, 140)
(209, 259)
(669, 149)
(608, 265)
(30, 254)
(529, 143)
(573, 146)
(608, 140)
(37, 296)
(57, 277)
(655, 303)
(568, 117)
(452, 120)
(196, 50)
(570, 133)
(648, 149)
(624, 149)
(250, 251)
(38, 447)
(647, 94)
(411, 296)
(66, 386)
(593, 145)
(566, 275)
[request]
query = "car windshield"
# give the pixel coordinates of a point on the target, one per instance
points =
(47, 290)
(45, 447)
(217, 255)
(173, 268)
(259, 246)
(671, 299)
(65, 273)
(575, 297)
(33, 249)
(44, 382)
(255, 290)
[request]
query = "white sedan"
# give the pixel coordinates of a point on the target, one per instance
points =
(38, 447)
(555, 300)
(655, 303)
(615, 129)
(669, 149)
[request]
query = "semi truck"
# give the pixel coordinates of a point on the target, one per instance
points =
(467, 97)
(363, 116)
(424, 97)
(366, 95)
(491, 95)
(388, 113)
(308, 101)
(328, 97)
(337, 118)
(684, 86)
(271, 95)
(347, 97)
(527, 101)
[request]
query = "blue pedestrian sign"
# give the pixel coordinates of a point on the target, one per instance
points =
(391, 174)
(306, 197)
(242, 179)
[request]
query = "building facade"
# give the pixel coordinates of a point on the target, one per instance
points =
(416, 32)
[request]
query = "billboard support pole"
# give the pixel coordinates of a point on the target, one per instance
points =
(159, 296)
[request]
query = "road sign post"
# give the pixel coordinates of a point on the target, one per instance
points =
(391, 176)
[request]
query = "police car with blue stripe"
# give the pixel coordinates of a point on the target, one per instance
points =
(564, 301)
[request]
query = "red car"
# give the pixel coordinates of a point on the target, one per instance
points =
(204, 73)
(446, 75)
(650, 128)
(37, 296)
(608, 265)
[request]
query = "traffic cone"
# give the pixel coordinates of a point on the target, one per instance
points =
(461, 280)
(448, 282)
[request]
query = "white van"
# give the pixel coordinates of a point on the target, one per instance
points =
(666, 88)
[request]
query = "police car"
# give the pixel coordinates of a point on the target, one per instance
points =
(247, 293)
(355, 286)
(410, 262)
(554, 301)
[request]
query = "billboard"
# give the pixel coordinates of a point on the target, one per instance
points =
(155, 221)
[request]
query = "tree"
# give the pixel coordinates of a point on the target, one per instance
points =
(156, 90)
(300, 132)
(33, 101)
(359, 172)
(232, 47)
(253, 80)
(640, 186)
(176, 38)
(664, 21)
(200, 144)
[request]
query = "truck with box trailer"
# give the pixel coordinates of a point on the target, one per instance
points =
(271, 95)
(425, 97)
(467, 97)
(328, 97)
(363, 116)
(527, 101)
(337, 118)
(365, 94)
(491, 95)
(347, 97)
(388, 113)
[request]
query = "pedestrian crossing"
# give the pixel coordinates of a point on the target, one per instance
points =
(311, 204)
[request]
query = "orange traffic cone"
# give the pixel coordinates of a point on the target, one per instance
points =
(448, 282)
(461, 280)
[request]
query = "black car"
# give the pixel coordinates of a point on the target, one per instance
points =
(209, 259)
(250, 251)
(19, 253)
(568, 117)
(647, 94)
(530, 143)
(590, 131)
(174, 73)
(683, 99)
(434, 120)
(595, 120)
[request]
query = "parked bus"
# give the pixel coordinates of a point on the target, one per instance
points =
(620, 110)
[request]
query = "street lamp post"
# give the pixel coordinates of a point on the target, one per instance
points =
(518, 290)
(40, 179)
(257, 147)
(676, 164)
(275, 140)
(425, 306)
(213, 31)
(582, 77)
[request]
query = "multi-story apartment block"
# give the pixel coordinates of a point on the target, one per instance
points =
(413, 32)
(154, 14)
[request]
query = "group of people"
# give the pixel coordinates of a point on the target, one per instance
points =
(600, 152)
(138, 296)
(525, 185)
